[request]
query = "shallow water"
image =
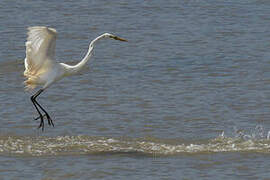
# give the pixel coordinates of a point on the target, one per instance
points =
(186, 98)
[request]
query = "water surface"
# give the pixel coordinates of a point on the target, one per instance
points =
(187, 97)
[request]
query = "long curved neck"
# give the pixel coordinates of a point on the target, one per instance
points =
(76, 68)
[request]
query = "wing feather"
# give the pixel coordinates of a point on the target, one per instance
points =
(40, 50)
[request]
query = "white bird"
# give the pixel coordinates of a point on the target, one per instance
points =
(41, 68)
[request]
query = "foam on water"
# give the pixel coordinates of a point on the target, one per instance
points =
(78, 145)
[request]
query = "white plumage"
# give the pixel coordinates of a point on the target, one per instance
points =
(41, 67)
(40, 51)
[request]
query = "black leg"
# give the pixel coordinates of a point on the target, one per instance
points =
(36, 104)
(50, 122)
(40, 115)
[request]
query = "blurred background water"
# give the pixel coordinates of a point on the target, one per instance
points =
(186, 98)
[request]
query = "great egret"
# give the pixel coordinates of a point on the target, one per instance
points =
(41, 67)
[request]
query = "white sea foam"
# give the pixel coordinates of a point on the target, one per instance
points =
(256, 140)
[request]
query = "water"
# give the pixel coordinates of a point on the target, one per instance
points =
(186, 98)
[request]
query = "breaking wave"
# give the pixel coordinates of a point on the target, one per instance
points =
(257, 141)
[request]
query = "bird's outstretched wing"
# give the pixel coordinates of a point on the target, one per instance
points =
(40, 50)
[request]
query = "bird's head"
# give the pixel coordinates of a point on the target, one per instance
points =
(114, 37)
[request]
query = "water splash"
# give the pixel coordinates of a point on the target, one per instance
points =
(258, 133)
(79, 145)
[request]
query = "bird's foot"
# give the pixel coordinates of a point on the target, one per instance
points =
(37, 118)
(41, 125)
(50, 122)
